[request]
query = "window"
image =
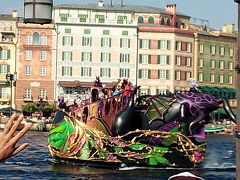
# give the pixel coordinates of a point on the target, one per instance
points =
(5, 54)
(43, 40)
(168, 21)
(230, 79)
(100, 18)
(178, 60)
(42, 93)
(86, 71)
(105, 72)
(144, 58)
(140, 19)
(67, 40)
(67, 30)
(144, 73)
(231, 52)
(105, 42)
(42, 70)
(125, 33)
(83, 17)
(222, 51)
(164, 44)
(125, 43)
(221, 64)
(212, 77)
(35, 38)
(4, 68)
(28, 55)
(221, 78)
(201, 62)
(151, 20)
(200, 77)
(106, 32)
(230, 65)
(67, 55)
(189, 47)
(145, 44)
(86, 41)
(3, 93)
(27, 94)
(178, 46)
(163, 59)
(162, 21)
(213, 49)
(121, 19)
(43, 55)
(188, 61)
(105, 57)
(188, 76)
(28, 70)
(124, 72)
(87, 31)
(162, 74)
(177, 75)
(201, 48)
(66, 71)
(64, 17)
(124, 58)
(86, 56)
(144, 91)
(29, 39)
(213, 63)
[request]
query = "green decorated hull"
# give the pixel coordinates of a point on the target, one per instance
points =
(73, 140)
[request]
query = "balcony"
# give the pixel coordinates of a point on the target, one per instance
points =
(39, 46)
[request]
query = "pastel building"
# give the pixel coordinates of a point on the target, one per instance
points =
(165, 51)
(8, 40)
(35, 64)
(94, 40)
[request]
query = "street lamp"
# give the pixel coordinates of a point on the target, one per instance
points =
(237, 133)
(10, 79)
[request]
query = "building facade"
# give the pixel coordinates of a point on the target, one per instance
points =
(35, 64)
(8, 41)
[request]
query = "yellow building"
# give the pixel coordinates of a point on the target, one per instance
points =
(8, 41)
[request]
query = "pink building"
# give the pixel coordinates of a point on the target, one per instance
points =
(35, 63)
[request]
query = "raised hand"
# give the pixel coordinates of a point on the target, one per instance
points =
(8, 140)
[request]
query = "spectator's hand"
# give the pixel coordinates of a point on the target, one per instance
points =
(7, 139)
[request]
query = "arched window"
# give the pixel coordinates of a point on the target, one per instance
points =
(140, 19)
(35, 38)
(168, 21)
(162, 21)
(151, 20)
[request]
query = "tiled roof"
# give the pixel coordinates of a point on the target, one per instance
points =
(115, 7)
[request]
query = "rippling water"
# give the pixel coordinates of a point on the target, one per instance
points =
(36, 163)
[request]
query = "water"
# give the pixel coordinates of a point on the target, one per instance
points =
(36, 163)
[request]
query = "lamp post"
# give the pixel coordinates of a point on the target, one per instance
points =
(237, 133)
(10, 79)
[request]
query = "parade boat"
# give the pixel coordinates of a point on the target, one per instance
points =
(149, 130)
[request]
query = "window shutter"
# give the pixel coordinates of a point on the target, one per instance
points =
(62, 71)
(0, 69)
(71, 41)
(168, 44)
(90, 56)
(149, 44)
(71, 56)
(128, 58)
(129, 43)
(167, 59)
(140, 74)
(90, 71)
(120, 57)
(110, 42)
(167, 74)
(128, 75)
(82, 56)
(101, 42)
(82, 41)
(63, 41)
(121, 43)
(159, 58)
(120, 72)
(62, 56)
(70, 71)
(149, 59)
(140, 58)
(81, 71)
(159, 44)
(109, 72)
(110, 57)
(101, 72)
(140, 43)
(90, 41)
(158, 74)
(101, 57)
(8, 53)
(0, 54)
(149, 74)
(8, 68)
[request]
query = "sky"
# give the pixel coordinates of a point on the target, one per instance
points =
(217, 12)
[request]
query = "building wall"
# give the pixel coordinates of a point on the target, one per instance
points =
(34, 81)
